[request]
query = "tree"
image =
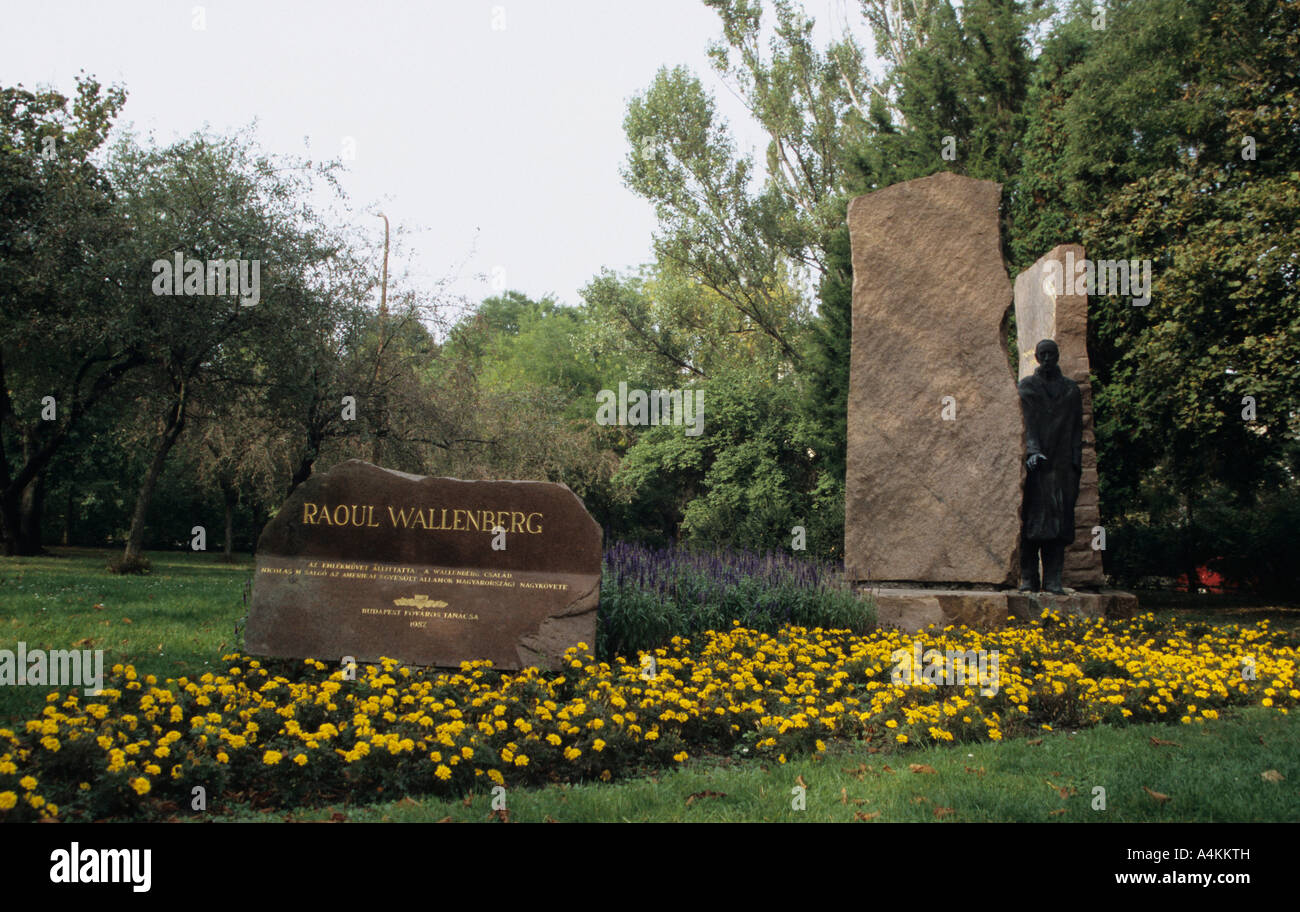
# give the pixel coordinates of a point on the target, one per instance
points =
(208, 199)
(1171, 136)
(59, 289)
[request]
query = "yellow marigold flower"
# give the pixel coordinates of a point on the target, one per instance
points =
(681, 757)
(7, 800)
(443, 772)
(572, 753)
(495, 776)
(141, 785)
(28, 782)
(901, 739)
(598, 745)
(521, 760)
(223, 757)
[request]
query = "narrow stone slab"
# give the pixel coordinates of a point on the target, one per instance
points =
(913, 609)
(1048, 307)
(370, 563)
(933, 486)
(1108, 603)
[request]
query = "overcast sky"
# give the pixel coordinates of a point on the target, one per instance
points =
(490, 129)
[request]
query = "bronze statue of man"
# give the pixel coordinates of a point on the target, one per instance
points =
(1053, 410)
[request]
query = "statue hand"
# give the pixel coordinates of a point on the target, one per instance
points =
(1034, 460)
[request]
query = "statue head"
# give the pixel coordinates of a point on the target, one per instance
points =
(1047, 354)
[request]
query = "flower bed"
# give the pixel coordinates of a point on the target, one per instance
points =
(301, 733)
(650, 595)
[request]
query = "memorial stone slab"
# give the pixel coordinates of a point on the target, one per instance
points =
(367, 562)
(934, 467)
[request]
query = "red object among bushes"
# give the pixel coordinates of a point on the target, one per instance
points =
(1206, 579)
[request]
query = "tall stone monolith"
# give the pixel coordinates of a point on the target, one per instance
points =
(934, 463)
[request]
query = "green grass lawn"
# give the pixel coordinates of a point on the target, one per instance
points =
(181, 618)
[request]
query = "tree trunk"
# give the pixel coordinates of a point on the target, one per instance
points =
(228, 492)
(175, 422)
(11, 526)
(20, 519)
(300, 474)
(32, 507)
(315, 436)
(67, 517)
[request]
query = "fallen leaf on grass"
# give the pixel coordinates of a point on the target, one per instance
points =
(85, 641)
(844, 796)
(690, 799)
(98, 607)
(446, 819)
(1056, 812)
(1156, 795)
(127, 621)
(338, 817)
(1271, 776)
(799, 780)
(978, 772)
(922, 768)
(1156, 742)
(549, 819)
(944, 812)
(502, 814)
(469, 799)
(887, 768)
(856, 773)
(862, 818)
(920, 799)
(1035, 742)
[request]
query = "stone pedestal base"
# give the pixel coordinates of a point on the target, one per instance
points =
(912, 609)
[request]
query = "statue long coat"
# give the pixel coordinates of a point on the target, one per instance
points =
(1053, 411)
